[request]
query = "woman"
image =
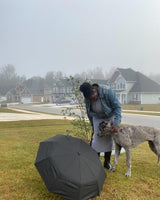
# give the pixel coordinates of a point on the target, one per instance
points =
(102, 104)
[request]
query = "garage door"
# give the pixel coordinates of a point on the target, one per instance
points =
(26, 100)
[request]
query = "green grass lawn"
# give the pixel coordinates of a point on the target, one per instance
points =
(7, 110)
(146, 107)
(155, 108)
(19, 179)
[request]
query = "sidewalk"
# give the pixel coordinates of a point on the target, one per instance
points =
(28, 115)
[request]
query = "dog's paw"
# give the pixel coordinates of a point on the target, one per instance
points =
(112, 169)
(128, 174)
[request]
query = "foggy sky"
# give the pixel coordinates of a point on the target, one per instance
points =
(72, 36)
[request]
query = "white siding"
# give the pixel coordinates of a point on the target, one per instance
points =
(150, 98)
(120, 83)
(134, 98)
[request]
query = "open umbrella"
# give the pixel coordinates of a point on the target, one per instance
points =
(70, 168)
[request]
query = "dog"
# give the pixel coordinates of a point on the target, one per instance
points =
(129, 137)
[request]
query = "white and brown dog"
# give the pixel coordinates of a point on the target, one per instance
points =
(129, 137)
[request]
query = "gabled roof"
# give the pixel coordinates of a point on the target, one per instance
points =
(35, 85)
(67, 82)
(19, 90)
(142, 82)
(99, 81)
(128, 74)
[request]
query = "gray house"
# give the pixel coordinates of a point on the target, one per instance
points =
(30, 91)
(61, 89)
(133, 87)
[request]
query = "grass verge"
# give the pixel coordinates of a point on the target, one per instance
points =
(144, 107)
(142, 113)
(7, 110)
(19, 179)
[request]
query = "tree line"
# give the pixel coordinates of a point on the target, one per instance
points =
(9, 79)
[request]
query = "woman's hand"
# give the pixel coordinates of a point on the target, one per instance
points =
(114, 129)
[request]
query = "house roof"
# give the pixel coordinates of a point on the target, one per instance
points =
(35, 85)
(19, 90)
(99, 81)
(142, 82)
(128, 74)
(67, 82)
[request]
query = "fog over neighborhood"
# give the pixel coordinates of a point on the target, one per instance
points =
(75, 36)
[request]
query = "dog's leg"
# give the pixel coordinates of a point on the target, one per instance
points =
(152, 146)
(116, 156)
(128, 162)
(155, 147)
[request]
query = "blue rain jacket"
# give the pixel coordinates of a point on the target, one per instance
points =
(110, 104)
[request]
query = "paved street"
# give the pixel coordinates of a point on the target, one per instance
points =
(133, 119)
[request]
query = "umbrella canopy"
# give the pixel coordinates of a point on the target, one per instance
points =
(70, 168)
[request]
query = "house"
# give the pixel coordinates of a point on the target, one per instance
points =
(19, 94)
(62, 88)
(36, 87)
(133, 87)
(47, 95)
(30, 91)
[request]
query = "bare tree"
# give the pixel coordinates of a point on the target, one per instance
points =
(9, 78)
(50, 79)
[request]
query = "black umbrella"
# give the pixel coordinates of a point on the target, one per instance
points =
(70, 168)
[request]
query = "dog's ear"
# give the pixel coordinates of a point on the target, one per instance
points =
(108, 123)
(102, 123)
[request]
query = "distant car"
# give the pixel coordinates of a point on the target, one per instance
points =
(63, 100)
(73, 102)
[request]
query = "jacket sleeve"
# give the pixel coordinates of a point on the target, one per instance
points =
(88, 111)
(115, 106)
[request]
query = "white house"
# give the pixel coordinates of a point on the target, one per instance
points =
(133, 87)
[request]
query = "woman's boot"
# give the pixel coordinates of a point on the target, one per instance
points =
(107, 157)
